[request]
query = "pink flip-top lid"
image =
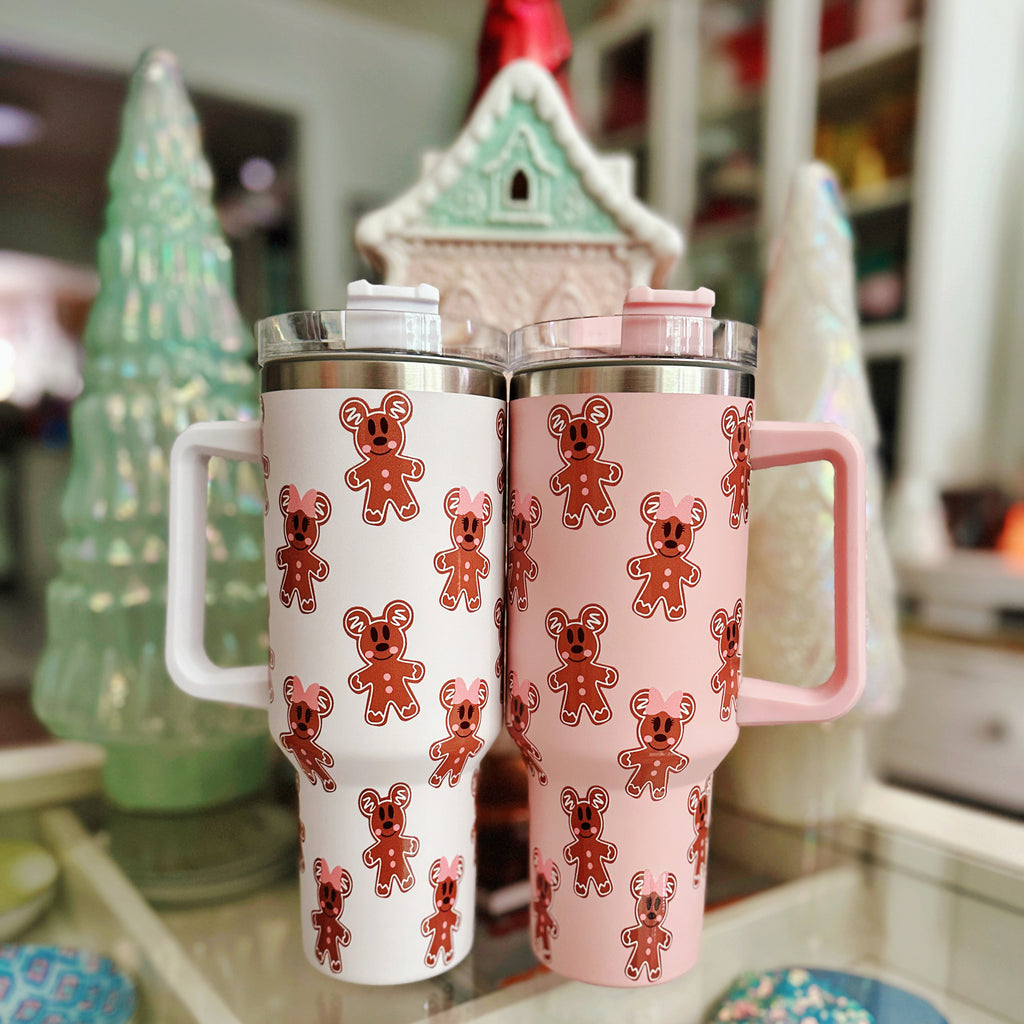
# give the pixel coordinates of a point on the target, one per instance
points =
(655, 324)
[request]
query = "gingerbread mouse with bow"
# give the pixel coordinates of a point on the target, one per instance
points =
(307, 708)
(659, 729)
(665, 570)
(649, 936)
(303, 516)
(464, 562)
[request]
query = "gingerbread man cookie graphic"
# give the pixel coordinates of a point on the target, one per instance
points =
(584, 478)
(659, 729)
(391, 847)
(307, 708)
(665, 570)
(464, 705)
(522, 569)
(303, 517)
(700, 804)
(523, 699)
(499, 429)
(736, 483)
(648, 937)
(588, 851)
(440, 926)
(546, 880)
(580, 678)
(726, 680)
(333, 885)
(384, 472)
(386, 676)
(464, 562)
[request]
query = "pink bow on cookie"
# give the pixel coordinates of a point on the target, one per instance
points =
(462, 692)
(667, 508)
(332, 877)
(521, 504)
(658, 885)
(306, 504)
(310, 696)
(470, 506)
(449, 872)
(659, 705)
(520, 688)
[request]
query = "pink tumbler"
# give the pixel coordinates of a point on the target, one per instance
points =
(631, 444)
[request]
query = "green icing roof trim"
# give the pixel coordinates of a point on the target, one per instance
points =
(564, 204)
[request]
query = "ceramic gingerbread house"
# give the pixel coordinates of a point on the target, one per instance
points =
(520, 220)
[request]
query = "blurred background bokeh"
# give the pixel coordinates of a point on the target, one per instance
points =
(314, 113)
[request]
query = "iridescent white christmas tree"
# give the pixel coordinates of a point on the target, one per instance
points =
(165, 346)
(810, 368)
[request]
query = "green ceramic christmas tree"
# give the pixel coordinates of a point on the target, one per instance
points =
(165, 346)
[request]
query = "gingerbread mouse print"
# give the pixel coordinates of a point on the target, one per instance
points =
(307, 708)
(264, 460)
(384, 472)
(588, 851)
(659, 729)
(526, 514)
(386, 676)
(649, 936)
(464, 705)
(391, 847)
(546, 880)
(499, 429)
(580, 678)
(523, 699)
(736, 483)
(440, 926)
(464, 562)
(304, 515)
(333, 886)
(699, 803)
(665, 570)
(726, 680)
(499, 622)
(584, 477)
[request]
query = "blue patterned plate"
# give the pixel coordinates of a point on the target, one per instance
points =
(51, 985)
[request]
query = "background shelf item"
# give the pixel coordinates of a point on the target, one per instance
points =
(881, 198)
(861, 61)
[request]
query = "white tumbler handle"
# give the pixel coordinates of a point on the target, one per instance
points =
(187, 661)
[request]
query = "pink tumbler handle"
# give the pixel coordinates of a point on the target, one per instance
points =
(762, 702)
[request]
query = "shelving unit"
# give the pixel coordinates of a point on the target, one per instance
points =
(940, 213)
(860, 62)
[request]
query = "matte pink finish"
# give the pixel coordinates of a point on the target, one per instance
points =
(625, 689)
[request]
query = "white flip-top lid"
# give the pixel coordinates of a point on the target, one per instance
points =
(393, 321)
(402, 319)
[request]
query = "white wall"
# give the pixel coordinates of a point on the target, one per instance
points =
(369, 96)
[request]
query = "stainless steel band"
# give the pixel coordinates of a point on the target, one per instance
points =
(592, 377)
(405, 374)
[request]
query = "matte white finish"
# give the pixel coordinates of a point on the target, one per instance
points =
(187, 661)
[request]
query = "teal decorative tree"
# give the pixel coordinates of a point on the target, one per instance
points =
(165, 346)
